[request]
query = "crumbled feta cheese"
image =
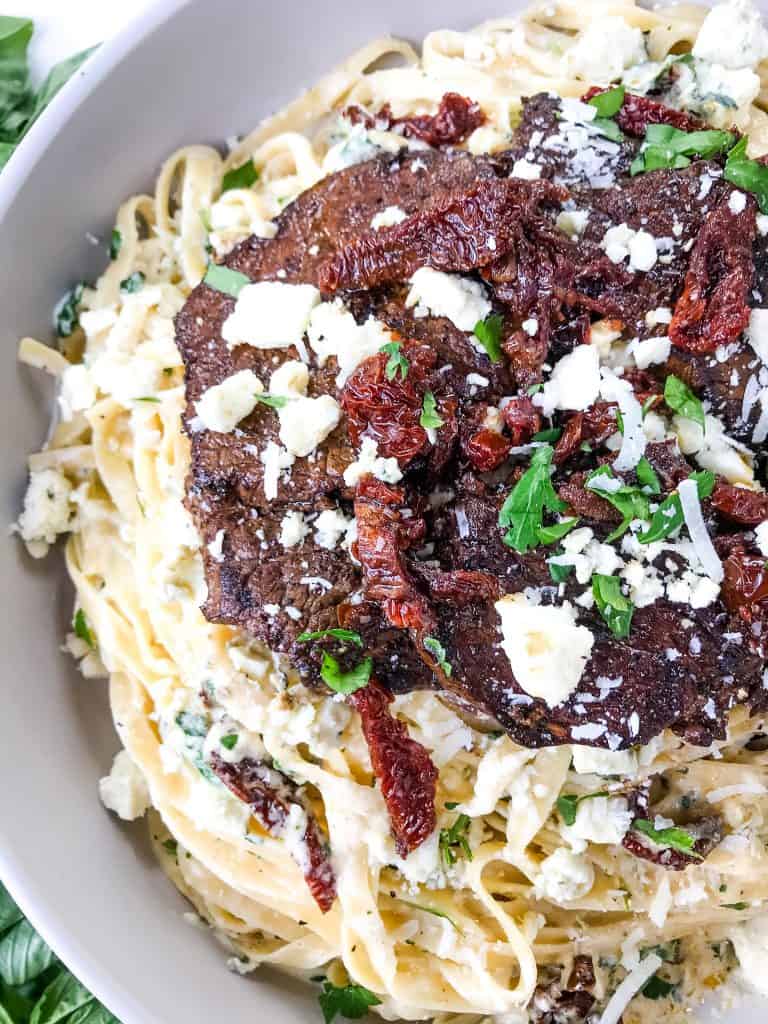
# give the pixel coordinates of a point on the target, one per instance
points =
(762, 224)
(757, 333)
(270, 314)
(564, 876)
(530, 326)
(761, 535)
(572, 222)
(275, 459)
(660, 315)
(649, 351)
(599, 820)
(369, 461)
(633, 440)
(750, 941)
(574, 383)
(46, 510)
(596, 761)
(546, 649)
(333, 331)
(464, 302)
(330, 526)
(293, 529)
(290, 380)
(737, 202)
(604, 49)
(125, 790)
(387, 217)
(622, 241)
(732, 34)
(223, 406)
(720, 94)
(306, 422)
(216, 547)
(523, 168)
(78, 391)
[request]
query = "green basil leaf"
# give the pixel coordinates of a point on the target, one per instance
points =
(115, 244)
(82, 629)
(568, 804)
(63, 996)
(23, 954)
(222, 279)
(615, 608)
(229, 741)
(66, 316)
(608, 128)
(667, 147)
(555, 532)
(679, 397)
(674, 838)
(523, 510)
(345, 682)
(626, 499)
(608, 103)
(430, 419)
(397, 363)
(647, 476)
(747, 174)
(350, 1001)
(658, 988)
(488, 333)
(551, 436)
(668, 517)
(436, 649)
(57, 77)
(133, 283)
(273, 401)
(346, 635)
(453, 842)
(240, 177)
(9, 912)
(560, 573)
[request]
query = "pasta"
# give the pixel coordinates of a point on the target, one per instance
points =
(429, 937)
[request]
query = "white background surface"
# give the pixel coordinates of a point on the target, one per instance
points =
(62, 27)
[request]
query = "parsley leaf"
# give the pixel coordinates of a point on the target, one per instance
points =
(240, 177)
(229, 741)
(679, 397)
(397, 363)
(222, 279)
(646, 474)
(615, 608)
(658, 988)
(608, 103)
(488, 333)
(436, 649)
(523, 510)
(82, 629)
(273, 401)
(346, 635)
(668, 517)
(675, 838)
(350, 1001)
(626, 499)
(170, 846)
(668, 147)
(133, 283)
(735, 906)
(568, 804)
(453, 842)
(555, 532)
(345, 682)
(430, 419)
(66, 315)
(115, 244)
(751, 175)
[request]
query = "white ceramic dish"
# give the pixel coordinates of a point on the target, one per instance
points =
(187, 71)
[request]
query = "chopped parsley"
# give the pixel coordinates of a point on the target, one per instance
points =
(608, 103)
(147, 398)
(432, 910)
(668, 147)
(240, 177)
(668, 517)
(453, 842)
(630, 501)
(222, 279)
(735, 906)
(658, 988)
(133, 283)
(273, 401)
(568, 804)
(522, 513)
(616, 609)
(555, 532)
(82, 629)
(345, 682)
(66, 316)
(170, 846)
(430, 419)
(229, 741)
(397, 363)
(345, 635)
(674, 838)
(350, 1001)
(192, 724)
(647, 476)
(115, 244)
(488, 333)
(436, 649)
(679, 397)
(751, 175)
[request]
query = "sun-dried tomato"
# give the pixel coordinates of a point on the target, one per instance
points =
(668, 462)
(402, 766)
(486, 449)
(458, 232)
(745, 585)
(586, 503)
(465, 586)
(637, 112)
(389, 410)
(386, 528)
(708, 833)
(522, 419)
(594, 425)
(255, 784)
(713, 309)
(456, 118)
(748, 508)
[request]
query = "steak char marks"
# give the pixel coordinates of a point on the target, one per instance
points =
(430, 586)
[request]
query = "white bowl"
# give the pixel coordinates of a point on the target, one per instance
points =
(184, 72)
